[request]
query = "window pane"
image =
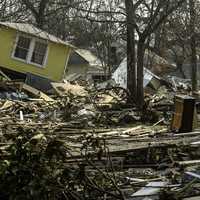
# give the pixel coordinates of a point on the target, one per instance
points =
(39, 53)
(24, 42)
(40, 48)
(21, 53)
(37, 58)
(22, 47)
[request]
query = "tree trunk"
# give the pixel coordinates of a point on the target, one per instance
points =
(40, 21)
(140, 73)
(179, 64)
(131, 62)
(193, 45)
(131, 69)
(39, 13)
(158, 41)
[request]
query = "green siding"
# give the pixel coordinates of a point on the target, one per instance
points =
(58, 55)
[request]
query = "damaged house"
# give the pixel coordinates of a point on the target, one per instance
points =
(153, 66)
(32, 55)
(83, 64)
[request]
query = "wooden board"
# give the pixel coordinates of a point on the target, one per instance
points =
(36, 92)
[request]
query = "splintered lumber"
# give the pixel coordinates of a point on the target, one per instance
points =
(65, 88)
(193, 174)
(138, 131)
(5, 76)
(36, 92)
(189, 162)
(7, 105)
(73, 135)
(151, 190)
(192, 198)
(188, 134)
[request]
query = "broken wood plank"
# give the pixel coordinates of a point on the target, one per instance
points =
(64, 89)
(4, 75)
(189, 162)
(36, 92)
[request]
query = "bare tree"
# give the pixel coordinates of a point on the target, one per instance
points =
(131, 61)
(10, 10)
(193, 44)
(151, 16)
(38, 10)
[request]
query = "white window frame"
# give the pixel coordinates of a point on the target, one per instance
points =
(32, 47)
(15, 46)
(31, 50)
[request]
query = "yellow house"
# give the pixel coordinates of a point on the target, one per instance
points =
(26, 49)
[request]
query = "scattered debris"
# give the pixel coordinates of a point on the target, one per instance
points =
(66, 88)
(87, 143)
(150, 191)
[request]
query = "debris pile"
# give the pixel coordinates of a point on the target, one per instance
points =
(180, 84)
(87, 143)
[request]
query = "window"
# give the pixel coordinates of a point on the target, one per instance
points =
(39, 53)
(22, 48)
(31, 50)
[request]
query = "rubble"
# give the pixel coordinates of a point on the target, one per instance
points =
(94, 146)
(65, 88)
(180, 84)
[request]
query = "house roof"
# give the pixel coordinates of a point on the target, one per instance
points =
(89, 57)
(32, 30)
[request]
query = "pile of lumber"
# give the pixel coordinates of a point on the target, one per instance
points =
(71, 146)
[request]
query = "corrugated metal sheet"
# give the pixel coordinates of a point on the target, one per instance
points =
(32, 30)
(120, 75)
(150, 192)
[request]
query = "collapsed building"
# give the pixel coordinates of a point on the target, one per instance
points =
(154, 65)
(85, 142)
(84, 64)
